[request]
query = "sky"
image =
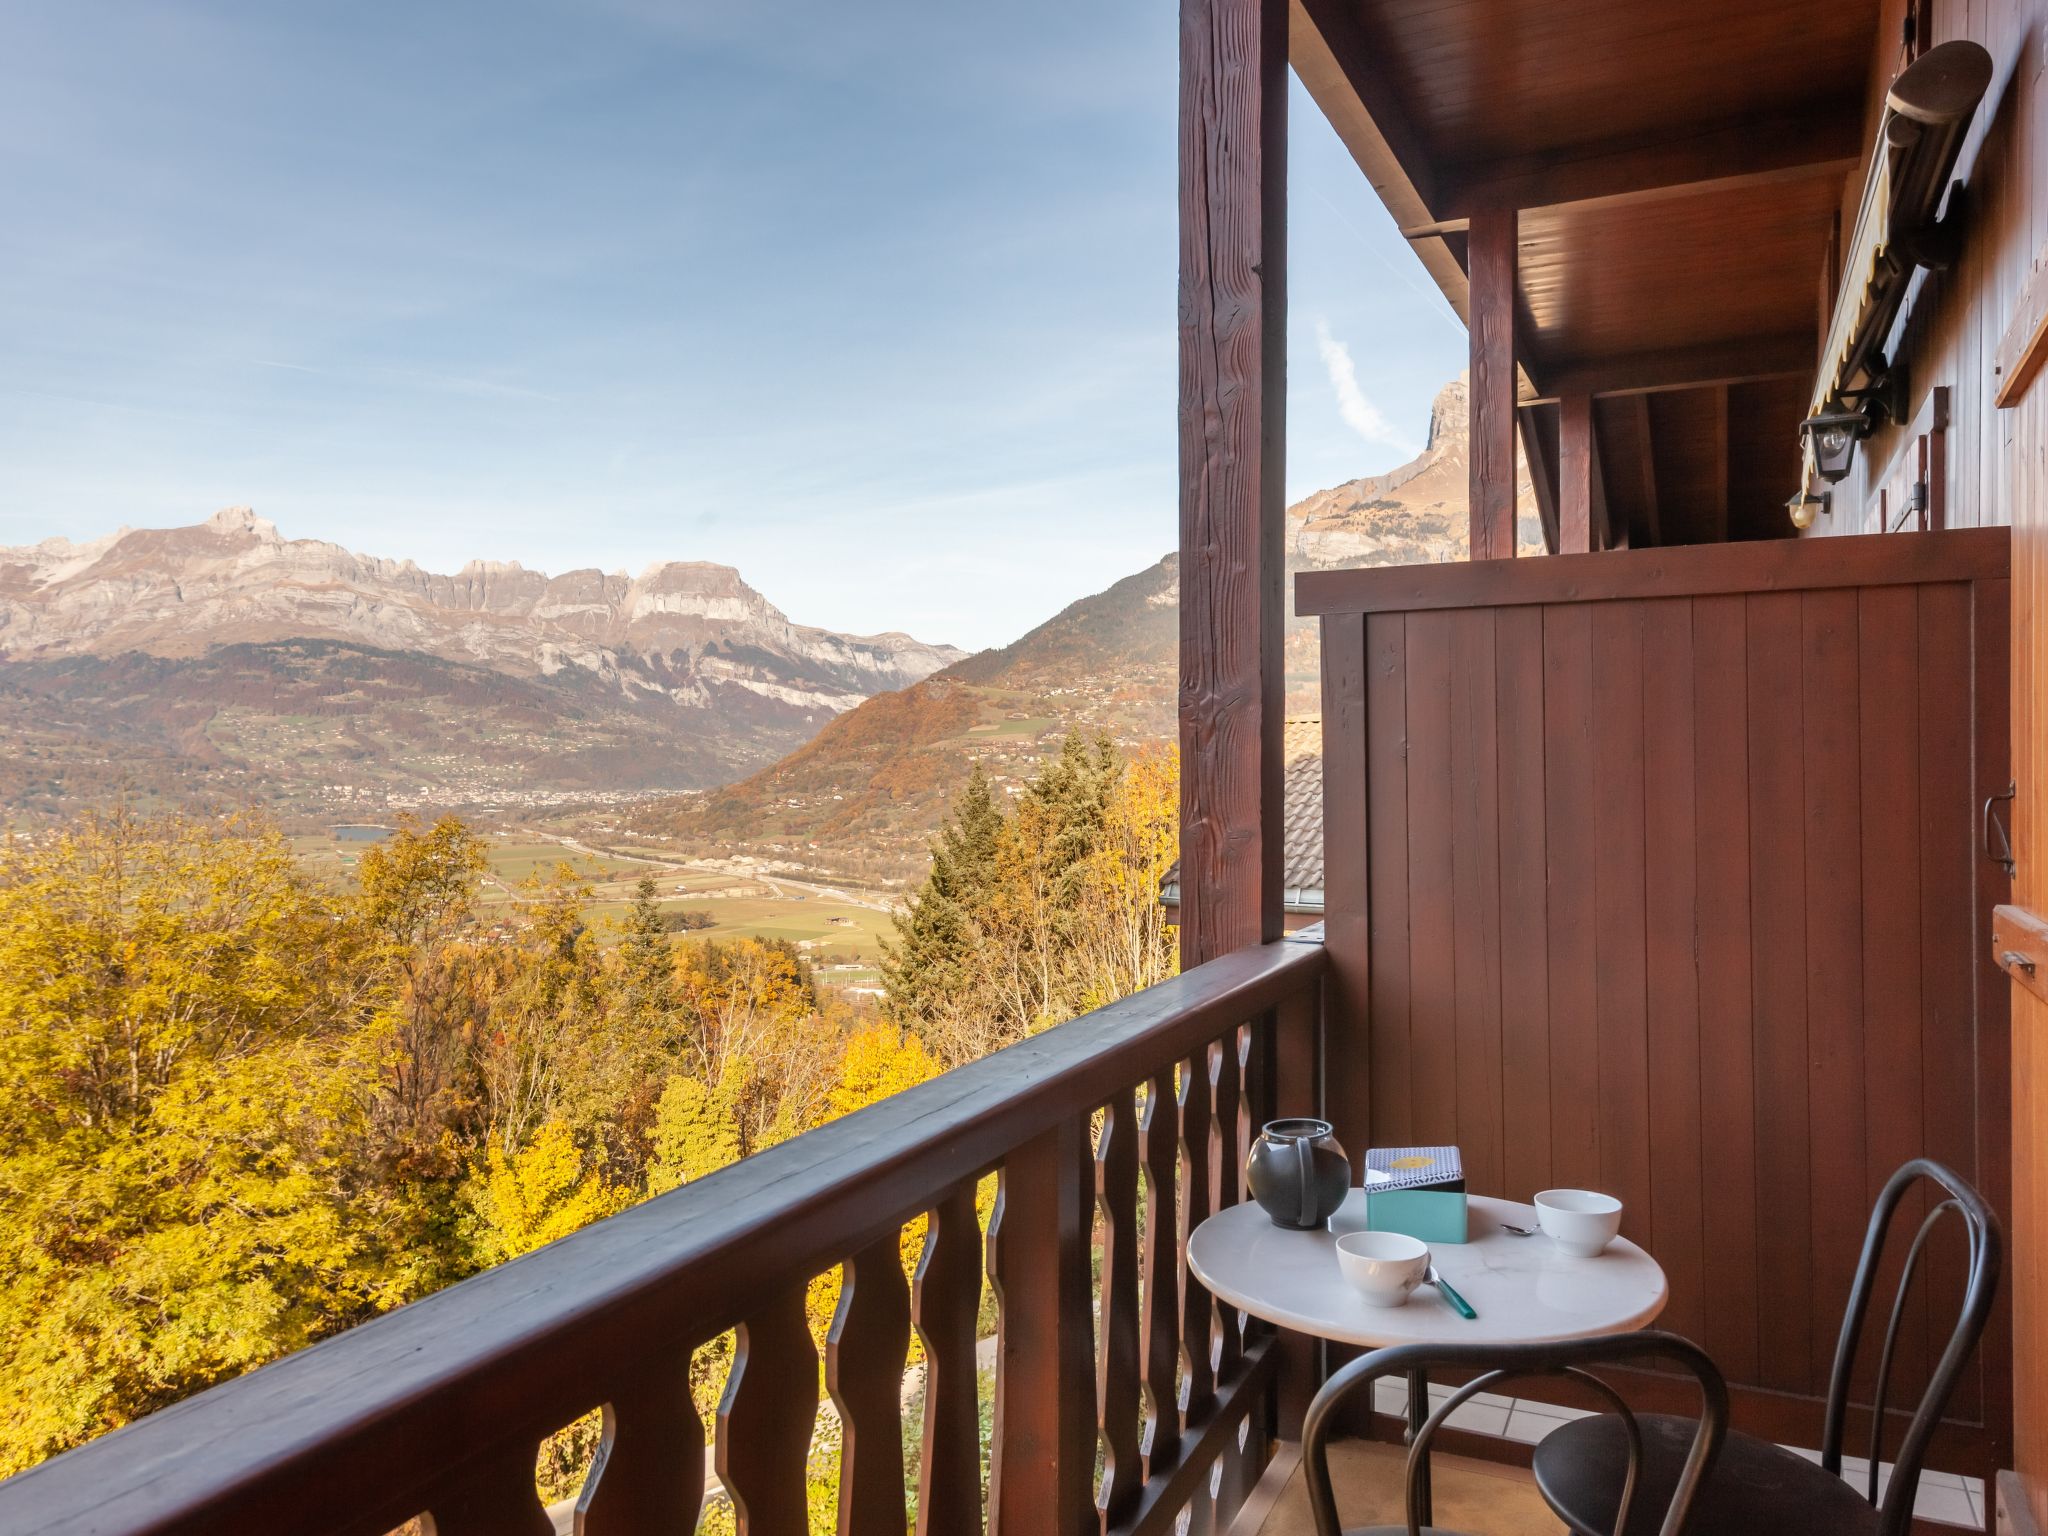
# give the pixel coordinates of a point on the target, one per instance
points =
(875, 302)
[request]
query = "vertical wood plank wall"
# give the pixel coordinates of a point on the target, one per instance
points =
(1956, 318)
(1668, 884)
(1996, 471)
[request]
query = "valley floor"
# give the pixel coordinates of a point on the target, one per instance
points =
(839, 928)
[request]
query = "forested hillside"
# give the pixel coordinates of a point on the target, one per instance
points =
(242, 1109)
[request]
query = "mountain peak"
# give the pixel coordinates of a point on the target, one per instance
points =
(691, 633)
(1450, 416)
(230, 521)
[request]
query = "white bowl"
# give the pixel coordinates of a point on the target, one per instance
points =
(1385, 1266)
(1580, 1221)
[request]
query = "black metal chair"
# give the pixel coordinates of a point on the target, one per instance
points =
(1499, 1363)
(1758, 1489)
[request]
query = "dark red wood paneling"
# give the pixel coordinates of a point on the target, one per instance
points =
(1728, 1193)
(1475, 894)
(1834, 958)
(1572, 820)
(1778, 900)
(1386, 764)
(1675, 896)
(1888, 635)
(1618, 878)
(1524, 901)
(1432, 922)
(1671, 965)
(1948, 939)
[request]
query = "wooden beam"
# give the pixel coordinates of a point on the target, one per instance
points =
(1575, 475)
(1812, 142)
(1723, 362)
(1490, 264)
(1653, 518)
(1233, 382)
(1609, 531)
(1339, 65)
(1692, 570)
(1717, 480)
(1543, 470)
(2024, 346)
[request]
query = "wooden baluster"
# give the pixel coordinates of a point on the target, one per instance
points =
(1255, 1108)
(649, 1472)
(1117, 1363)
(864, 1359)
(1243, 1044)
(946, 1301)
(1198, 1310)
(1042, 1465)
(766, 1419)
(496, 1497)
(1225, 1163)
(1292, 1059)
(1161, 1281)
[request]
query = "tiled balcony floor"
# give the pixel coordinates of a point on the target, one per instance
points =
(1493, 1499)
(1477, 1496)
(1944, 1497)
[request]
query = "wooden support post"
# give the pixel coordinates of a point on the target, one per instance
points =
(1490, 259)
(1653, 516)
(1717, 485)
(1575, 474)
(1540, 454)
(1233, 337)
(1610, 528)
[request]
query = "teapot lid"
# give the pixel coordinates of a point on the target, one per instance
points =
(1301, 1128)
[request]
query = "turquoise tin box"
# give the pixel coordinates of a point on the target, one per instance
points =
(1418, 1191)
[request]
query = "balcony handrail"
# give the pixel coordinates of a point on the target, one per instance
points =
(373, 1407)
(1688, 570)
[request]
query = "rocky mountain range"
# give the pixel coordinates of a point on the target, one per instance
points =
(225, 648)
(866, 794)
(225, 663)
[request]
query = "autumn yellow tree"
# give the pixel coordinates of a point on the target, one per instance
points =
(184, 1108)
(241, 1110)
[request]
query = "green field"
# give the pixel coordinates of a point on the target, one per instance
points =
(1009, 730)
(741, 906)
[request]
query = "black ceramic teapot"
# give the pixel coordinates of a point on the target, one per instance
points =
(1298, 1173)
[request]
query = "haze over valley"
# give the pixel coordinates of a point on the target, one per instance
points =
(679, 710)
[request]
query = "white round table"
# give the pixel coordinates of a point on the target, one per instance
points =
(1526, 1290)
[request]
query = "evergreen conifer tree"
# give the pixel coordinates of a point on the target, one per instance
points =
(645, 958)
(929, 969)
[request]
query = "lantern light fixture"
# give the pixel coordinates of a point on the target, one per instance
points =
(1831, 438)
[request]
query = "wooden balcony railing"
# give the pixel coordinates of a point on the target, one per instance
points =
(438, 1409)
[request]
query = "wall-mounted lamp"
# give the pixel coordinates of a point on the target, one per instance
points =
(1831, 438)
(1910, 217)
(1804, 507)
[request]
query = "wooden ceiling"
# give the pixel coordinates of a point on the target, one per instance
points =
(1609, 280)
(1677, 167)
(1484, 80)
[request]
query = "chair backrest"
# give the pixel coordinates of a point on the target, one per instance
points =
(1498, 1363)
(1958, 1202)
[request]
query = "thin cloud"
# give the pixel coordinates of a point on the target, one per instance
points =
(1359, 413)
